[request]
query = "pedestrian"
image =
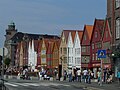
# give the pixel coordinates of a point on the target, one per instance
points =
(73, 74)
(105, 74)
(85, 72)
(65, 74)
(70, 75)
(79, 75)
(118, 76)
(89, 76)
(40, 75)
(99, 76)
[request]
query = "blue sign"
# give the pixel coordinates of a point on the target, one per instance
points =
(101, 53)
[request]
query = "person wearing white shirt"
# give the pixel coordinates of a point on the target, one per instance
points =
(85, 72)
(79, 75)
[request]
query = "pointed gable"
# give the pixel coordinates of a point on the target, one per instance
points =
(66, 34)
(36, 43)
(87, 34)
(106, 32)
(89, 29)
(97, 30)
(39, 45)
(80, 33)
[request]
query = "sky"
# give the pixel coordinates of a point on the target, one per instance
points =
(49, 16)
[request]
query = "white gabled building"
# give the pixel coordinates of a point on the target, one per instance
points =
(70, 51)
(32, 55)
(74, 49)
(77, 49)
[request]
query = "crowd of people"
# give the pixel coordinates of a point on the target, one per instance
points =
(86, 75)
(74, 75)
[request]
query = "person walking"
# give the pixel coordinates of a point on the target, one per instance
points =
(65, 74)
(73, 75)
(89, 76)
(70, 75)
(118, 76)
(85, 72)
(99, 76)
(79, 75)
(105, 75)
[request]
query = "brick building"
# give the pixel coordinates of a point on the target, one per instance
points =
(113, 16)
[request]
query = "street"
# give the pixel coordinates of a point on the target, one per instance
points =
(39, 85)
(17, 84)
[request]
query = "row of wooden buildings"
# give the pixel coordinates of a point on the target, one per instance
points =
(73, 49)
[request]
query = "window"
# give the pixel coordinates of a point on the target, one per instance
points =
(65, 60)
(43, 52)
(88, 48)
(61, 50)
(96, 57)
(77, 51)
(93, 46)
(93, 57)
(117, 3)
(117, 28)
(95, 34)
(83, 49)
(43, 60)
(65, 50)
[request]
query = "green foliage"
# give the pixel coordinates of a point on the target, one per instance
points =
(7, 61)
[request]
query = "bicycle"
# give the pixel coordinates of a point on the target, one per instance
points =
(2, 85)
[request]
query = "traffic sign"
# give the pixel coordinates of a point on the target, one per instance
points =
(101, 53)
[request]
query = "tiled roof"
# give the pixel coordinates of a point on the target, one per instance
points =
(99, 24)
(73, 32)
(19, 36)
(39, 45)
(80, 33)
(89, 29)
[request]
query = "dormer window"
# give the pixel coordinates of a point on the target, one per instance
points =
(117, 3)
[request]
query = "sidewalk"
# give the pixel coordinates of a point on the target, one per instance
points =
(95, 86)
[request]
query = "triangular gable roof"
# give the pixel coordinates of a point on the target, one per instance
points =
(106, 25)
(39, 45)
(89, 29)
(57, 43)
(98, 24)
(80, 33)
(36, 43)
(66, 34)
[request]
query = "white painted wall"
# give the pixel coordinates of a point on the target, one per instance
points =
(77, 51)
(32, 56)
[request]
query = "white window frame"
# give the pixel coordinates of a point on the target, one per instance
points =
(92, 45)
(93, 57)
(118, 28)
(96, 56)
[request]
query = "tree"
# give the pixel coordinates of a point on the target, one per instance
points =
(7, 61)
